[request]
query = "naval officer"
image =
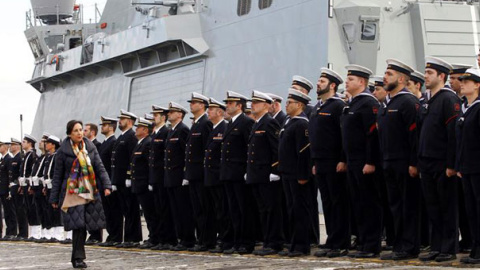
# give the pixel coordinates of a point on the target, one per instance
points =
(7, 202)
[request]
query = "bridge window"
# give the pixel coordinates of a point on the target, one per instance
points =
(369, 31)
(243, 7)
(263, 4)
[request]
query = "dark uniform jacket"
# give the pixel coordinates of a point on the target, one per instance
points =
(294, 149)
(49, 168)
(468, 143)
(121, 153)
(212, 155)
(262, 159)
(14, 168)
(437, 144)
(234, 149)
(175, 155)
(88, 216)
(97, 143)
(195, 148)
(38, 169)
(280, 117)
(4, 163)
(359, 130)
(308, 110)
(26, 166)
(326, 135)
(106, 153)
(397, 131)
(157, 156)
(139, 166)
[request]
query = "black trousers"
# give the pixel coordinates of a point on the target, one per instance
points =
(9, 215)
(336, 207)
(52, 217)
(148, 206)
(78, 244)
(182, 212)
(425, 226)
(113, 217)
(463, 223)
(131, 212)
(41, 205)
(30, 203)
(442, 205)
(20, 211)
(315, 219)
(404, 201)
(367, 204)
(241, 204)
(301, 211)
(471, 187)
(218, 220)
(201, 208)
(269, 202)
(388, 229)
(166, 226)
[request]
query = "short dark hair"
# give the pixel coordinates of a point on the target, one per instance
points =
(243, 103)
(113, 125)
(71, 124)
(93, 128)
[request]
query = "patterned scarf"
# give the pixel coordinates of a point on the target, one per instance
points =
(81, 183)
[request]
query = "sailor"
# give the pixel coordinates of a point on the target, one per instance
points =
(468, 165)
(415, 85)
(275, 109)
(111, 209)
(166, 228)
(121, 180)
(16, 197)
(457, 71)
(465, 244)
(140, 176)
(398, 140)
(194, 154)
(248, 110)
(303, 85)
(25, 178)
(52, 217)
(262, 174)
(360, 143)
(233, 167)
(436, 161)
(177, 186)
(330, 164)
(380, 94)
(218, 217)
(294, 166)
(7, 202)
(371, 86)
(36, 187)
(90, 132)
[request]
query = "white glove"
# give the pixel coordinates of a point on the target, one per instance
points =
(185, 182)
(9, 195)
(11, 184)
(114, 188)
(128, 183)
(150, 187)
(28, 181)
(35, 181)
(48, 182)
(274, 177)
(245, 177)
(21, 181)
(42, 180)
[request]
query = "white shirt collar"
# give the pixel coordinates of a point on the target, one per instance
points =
(173, 128)
(196, 120)
(123, 133)
(216, 125)
(157, 129)
(139, 141)
(258, 120)
(275, 115)
(113, 134)
(235, 117)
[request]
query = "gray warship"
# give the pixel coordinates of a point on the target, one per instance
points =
(146, 52)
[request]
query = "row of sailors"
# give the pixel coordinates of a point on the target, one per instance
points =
(223, 185)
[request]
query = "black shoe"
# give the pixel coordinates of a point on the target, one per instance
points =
(265, 252)
(130, 245)
(66, 241)
(244, 250)
(41, 240)
(322, 252)
(217, 249)
(365, 255)
(443, 257)
(31, 239)
(179, 247)
(402, 255)
(162, 247)
(146, 245)
(297, 254)
(91, 242)
(229, 251)
(388, 256)
(8, 238)
(79, 264)
(334, 253)
(429, 256)
(469, 260)
(387, 248)
(198, 248)
(283, 253)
